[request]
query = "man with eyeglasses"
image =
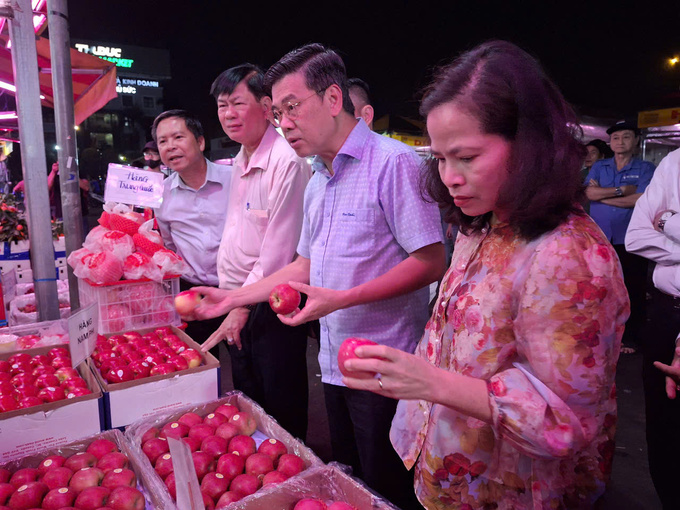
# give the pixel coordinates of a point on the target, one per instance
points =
(614, 186)
(261, 232)
(370, 245)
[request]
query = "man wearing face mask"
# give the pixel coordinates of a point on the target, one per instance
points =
(152, 159)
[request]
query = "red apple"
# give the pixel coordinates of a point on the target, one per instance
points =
(154, 359)
(100, 447)
(42, 370)
(310, 504)
(214, 485)
(28, 496)
(52, 394)
(5, 365)
(274, 477)
(272, 447)
(66, 373)
(215, 419)
(20, 357)
(86, 477)
(227, 499)
(117, 340)
(78, 392)
(51, 462)
(175, 430)
(162, 369)
(201, 431)
(244, 445)
(23, 476)
(208, 502)
(151, 433)
(244, 422)
(119, 477)
(192, 356)
(46, 380)
(27, 402)
(140, 369)
(164, 465)
(347, 352)
(61, 362)
(120, 375)
(5, 377)
(112, 460)
(80, 460)
(190, 419)
(5, 475)
(71, 384)
(58, 352)
(126, 498)
(227, 410)
(193, 443)
(163, 332)
(203, 462)
(186, 301)
(290, 464)
(6, 490)
(284, 299)
(57, 477)
(131, 356)
(227, 431)
(340, 505)
(154, 448)
(132, 335)
(178, 362)
(59, 498)
(230, 465)
(26, 390)
(214, 445)
(170, 484)
(92, 498)
(259, 464)
(23, 379)
(8, 403)
(245, 484)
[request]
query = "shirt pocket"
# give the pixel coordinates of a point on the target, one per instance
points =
(255, 223)
(356, 232)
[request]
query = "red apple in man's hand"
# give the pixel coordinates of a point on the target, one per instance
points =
(284, 299)
(347, 352)
(187, 301)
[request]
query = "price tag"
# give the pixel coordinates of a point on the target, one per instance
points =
(134, 186)
(82, 329)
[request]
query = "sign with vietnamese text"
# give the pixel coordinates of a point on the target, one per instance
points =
(82, 330)
(658, 118)
(133, 186)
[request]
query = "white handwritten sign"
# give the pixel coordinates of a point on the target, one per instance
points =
(82, 329)
(134, 186)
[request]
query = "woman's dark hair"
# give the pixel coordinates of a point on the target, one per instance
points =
(227, 81)
(509, 93)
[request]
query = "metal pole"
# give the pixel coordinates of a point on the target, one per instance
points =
(69, 178)
(34, 167)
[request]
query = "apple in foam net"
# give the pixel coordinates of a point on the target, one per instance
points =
(284, 299)
(346, 352)
(187, 301)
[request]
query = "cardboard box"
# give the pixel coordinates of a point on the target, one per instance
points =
(134, 400)
(327, 483)
(26, 431)
(267, 427)
(34, 459)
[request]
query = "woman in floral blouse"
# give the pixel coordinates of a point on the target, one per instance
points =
(509, 401)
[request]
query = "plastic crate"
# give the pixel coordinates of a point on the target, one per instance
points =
(132, 304)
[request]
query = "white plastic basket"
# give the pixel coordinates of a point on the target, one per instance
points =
(130, 305)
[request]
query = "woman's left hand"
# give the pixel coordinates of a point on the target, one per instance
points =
(403, 376)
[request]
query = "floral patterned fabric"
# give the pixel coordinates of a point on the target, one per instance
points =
(542, 323)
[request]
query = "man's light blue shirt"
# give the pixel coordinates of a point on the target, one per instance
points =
(358, 224)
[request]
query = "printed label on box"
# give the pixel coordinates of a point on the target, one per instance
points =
(82, 329)
(133, 186)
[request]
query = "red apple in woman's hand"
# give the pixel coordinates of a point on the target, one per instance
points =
(347, 352)
(187, 301)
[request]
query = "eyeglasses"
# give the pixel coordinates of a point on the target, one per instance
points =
(290, 109)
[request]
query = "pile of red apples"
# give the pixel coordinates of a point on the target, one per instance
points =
(130, 356)
(228, 463)
(27, 381)
(98, 477)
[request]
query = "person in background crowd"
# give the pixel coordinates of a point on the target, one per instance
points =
(596, 150)
(509, 400)
(262, 229)
(654, 233)
(369, 248)
(195, 198)
(360, 95)
(4, 173)
(152, 159)
(613, 187)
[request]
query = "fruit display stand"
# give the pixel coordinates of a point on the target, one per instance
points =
(127, 402)
(25, 431)
(267, 427)
(132, 304)
(326, 483)
(47, 330)
(40, 460)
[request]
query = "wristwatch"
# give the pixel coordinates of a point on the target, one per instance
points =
(663, 219)
(618, 192)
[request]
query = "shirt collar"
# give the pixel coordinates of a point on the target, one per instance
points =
(210, 176)
(260, 158)
(353, 147)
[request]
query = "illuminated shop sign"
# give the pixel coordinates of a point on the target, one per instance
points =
(129, 85)
(106, 53)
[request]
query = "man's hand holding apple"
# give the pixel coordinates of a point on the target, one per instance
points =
(320, 302)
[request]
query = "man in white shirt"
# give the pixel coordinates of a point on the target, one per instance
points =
(654, 233)
(264, 218)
